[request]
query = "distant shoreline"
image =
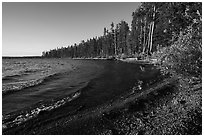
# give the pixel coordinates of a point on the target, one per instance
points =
(12, 57)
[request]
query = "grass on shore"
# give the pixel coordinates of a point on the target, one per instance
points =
(173, 110)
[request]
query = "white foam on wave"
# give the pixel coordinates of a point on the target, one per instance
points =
(34, 112)
(16, 86)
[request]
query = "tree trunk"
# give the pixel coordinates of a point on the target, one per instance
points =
(115, 39)
(141, 29)
(144, 35)
(152, 30)
(149, 37)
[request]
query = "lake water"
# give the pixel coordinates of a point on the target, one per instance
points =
(32, 86)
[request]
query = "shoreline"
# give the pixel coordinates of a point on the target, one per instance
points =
(126, 60)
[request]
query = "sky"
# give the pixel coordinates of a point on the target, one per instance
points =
(28, 29)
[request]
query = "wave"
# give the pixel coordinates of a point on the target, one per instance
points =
(19, 74)
(52, 77)
(31, 70)
(17, 86)
(10, 120)
(10, 77)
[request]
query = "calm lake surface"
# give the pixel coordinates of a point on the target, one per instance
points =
(30, 86)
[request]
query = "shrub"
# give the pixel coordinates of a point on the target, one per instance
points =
(185, 55)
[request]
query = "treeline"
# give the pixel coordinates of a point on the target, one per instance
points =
(154, 25)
